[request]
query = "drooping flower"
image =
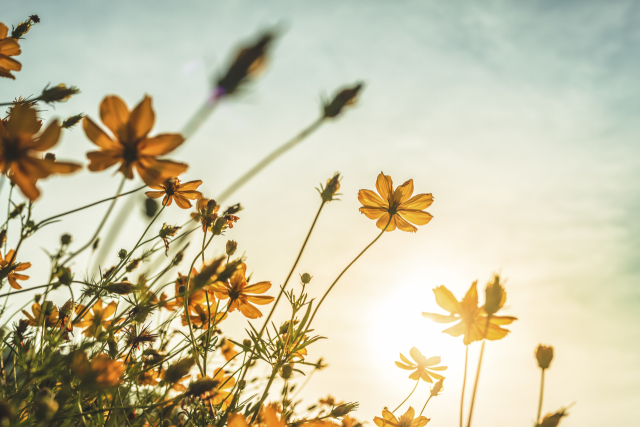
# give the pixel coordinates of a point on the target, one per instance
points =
(472, 319)
(130, 146)
(48, 318)
(97, 319)
(241, 295)
(18, 148)
(407, 420)
(172, 189)
(8, 268)
(422, 367)
(395, 207)
(8, 47)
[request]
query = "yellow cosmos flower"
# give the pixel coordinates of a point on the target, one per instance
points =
(172, 190)
(472, 319)
(96, 319)
(19, 147)
(395, 207)
(216, 389)
(49, 320)
(130, 146)
(8, 48)
(8, 268)
(422, 367)
(407, 420)
(240, 294)
(227, 349)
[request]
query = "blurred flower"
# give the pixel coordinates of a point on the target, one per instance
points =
(203, 316)
(213, 389)
(8, 268)
(395, 208)
(8, 47)
(18, 144)
(172, 190)
(472, 320)
(495, 296)
(178, 372)
(423, 366)
(58, 93)
(206, 213)
(544, 355)
(47, 315)
(227, 349)
(553, 420)
(407, 420)
(130, 146)
(135, 338)
(100, 373)
(95, 320)
(343, 98)
(242, 296)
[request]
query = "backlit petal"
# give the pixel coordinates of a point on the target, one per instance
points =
(257, 288)
(446, 300)
(416, 217)
(98, 136)
(403, 192)
(384, 185)
(141, 119)
(440, 318)
(369, 198)
(403, 366)
(23, 122)
(419, 202)
(404, 225)
(114, 113)
(160, 144)
(373, 213)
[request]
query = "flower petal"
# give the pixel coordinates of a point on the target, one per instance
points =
(404, 225)
(419, 202)
(415, 217)
(384, 185)
(435, 360)
(383, 220)
(249, 311)
(98, 136)
(372, 213)
(23, 122)
(47, 139)
(257, 288)
(440, 318)
(141, 119)
(406, 367)
(114, 113)
(446, 300)
(260, 299)
(403, 192)
(160, 144)
(369, 198)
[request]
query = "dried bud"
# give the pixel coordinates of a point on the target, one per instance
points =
(16, 211)
(70, 122)
(553, 420)
(37, 298)
(249, 62)
(45, 405)
(178, 370)
(305, 278)
(320, 365)
(151, 207)
(121, 288)
(232, 245)
(50, 157)
(133, 264)
(35, 19)
(344, 409)
(330, 191)
(58, 93)
(168, 231)
(287, 371)
(495, 296)
(437, 388)
(22, 28)
(544, 355)
(231, 210)
(343, 98)
(65, 239)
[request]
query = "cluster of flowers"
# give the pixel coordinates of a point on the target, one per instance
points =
(125, 369)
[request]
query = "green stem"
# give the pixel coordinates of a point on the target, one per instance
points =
(464, 382)
(414, 389)
(541, 395)
(271, 157)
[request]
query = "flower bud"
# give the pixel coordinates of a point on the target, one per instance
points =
(247, 343)
(437, 387)
(330, 191)
(305, 278)
(344, 409)
(122, 253)
(495, 296)
(133, 264)
(122, 288)
(232, 245)
(343, 98)
(544, 355)
(168, 231)
(3, 236)
(287, 371)
(58, 93)
(65, 239)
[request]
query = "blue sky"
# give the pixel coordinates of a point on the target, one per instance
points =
(521, 119)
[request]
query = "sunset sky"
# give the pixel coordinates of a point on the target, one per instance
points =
(522, 119)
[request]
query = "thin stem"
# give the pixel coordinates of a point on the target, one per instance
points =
(414, 389)
(541, 396)
(464, 382)
(475, 385)
(425, 405)
(345, 270)
(264, 395)
(269, 159)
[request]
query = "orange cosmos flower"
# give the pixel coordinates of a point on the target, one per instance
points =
(8, 48)
(472, 319)
(216, 389)
(18, 147)
(423, 366)
(101, 372)
(227, 349)
(202, 316)
(8, 268)
(396, 207)
(239, 293)
(172, 190)
(49, 317)
(407, 420)
(130, 146)
(96, 319)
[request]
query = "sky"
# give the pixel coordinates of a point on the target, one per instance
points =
(520, 117)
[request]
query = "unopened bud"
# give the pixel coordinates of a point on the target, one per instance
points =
(65, 239)
(96, 243)
(121, 288)
(232, 245)
(58, 93)
(16, 211)
(544, 355)
(331, 190)
(343, 98)
(64, 275)
(70, 122)
(247, 343)
(151, 207)
(287, 371)
(495, 296)
(344, 409)
(305, 278)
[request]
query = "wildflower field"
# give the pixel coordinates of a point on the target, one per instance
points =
(150, 307)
